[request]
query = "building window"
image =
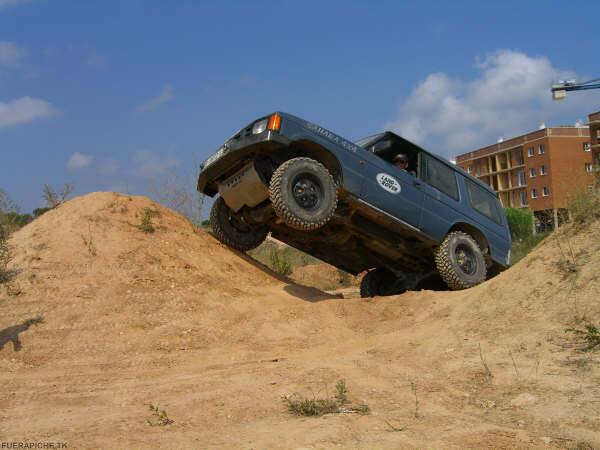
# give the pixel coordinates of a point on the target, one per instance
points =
(541, 149)
(545, 191)
(469, 168)
(530, 152)
(543, 170)
(521, 177)
(589, 168)
(587, 147)
(534, 193)
(532, 172)
(523, 198)
(590, 188)
(520, 161)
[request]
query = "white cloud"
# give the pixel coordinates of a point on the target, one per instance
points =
(10, 54)
(79, 161)
(509, 96)
(24, 110)
(163, 97)
(149, 165)
(5, 3)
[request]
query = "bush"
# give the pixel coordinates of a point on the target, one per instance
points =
(584, 207)
(146, 221)
(315, 407)
(520, 223)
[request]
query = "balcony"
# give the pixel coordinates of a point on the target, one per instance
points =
(496, 172)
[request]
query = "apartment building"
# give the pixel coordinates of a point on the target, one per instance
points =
(538, 170)
(594, 123)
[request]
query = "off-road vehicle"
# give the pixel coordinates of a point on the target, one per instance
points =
(347, 204)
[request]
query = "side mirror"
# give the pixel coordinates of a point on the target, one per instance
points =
(382, 146)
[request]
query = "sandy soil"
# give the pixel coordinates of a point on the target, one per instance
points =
(175, 319)
(324, 276)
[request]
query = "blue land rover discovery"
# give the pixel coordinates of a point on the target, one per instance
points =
(347, 204)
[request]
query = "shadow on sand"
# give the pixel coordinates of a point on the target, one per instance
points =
(11, 334)
(307, 293)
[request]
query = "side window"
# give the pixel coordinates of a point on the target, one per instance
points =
(440, 176)
(483, 202)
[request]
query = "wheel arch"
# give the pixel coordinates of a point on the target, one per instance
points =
(321, 154)
(476, 234)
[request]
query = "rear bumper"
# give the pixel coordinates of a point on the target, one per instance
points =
(237, 152)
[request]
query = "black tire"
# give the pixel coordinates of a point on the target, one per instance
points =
(380, 281)
(232, 230)
(459, 261)
(303, 193)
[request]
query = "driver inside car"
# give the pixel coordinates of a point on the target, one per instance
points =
(401, 161)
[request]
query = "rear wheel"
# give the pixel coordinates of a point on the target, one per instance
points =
(303, 193)
(231, 230)
(460, 262)
(380, 281)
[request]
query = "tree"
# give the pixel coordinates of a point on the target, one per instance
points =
(52, 198)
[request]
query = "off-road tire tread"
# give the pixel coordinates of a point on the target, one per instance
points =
(280, 206)
(444, 264)
(251, 240)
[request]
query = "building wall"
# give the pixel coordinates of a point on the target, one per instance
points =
(569, 174)
(594, 123)
(540, 181)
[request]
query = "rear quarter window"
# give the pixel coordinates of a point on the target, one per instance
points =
(484, 202)
(440, 176)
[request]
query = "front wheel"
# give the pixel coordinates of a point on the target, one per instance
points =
(380, 281)
(459, 261)
(303, 194)
(232, 231)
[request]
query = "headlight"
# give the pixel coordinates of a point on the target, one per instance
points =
(260, 126)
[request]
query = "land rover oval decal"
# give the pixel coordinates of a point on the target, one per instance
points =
(388, 182)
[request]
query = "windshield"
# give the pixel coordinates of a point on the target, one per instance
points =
(366, 141)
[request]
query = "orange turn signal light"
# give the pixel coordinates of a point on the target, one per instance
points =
(274, 122)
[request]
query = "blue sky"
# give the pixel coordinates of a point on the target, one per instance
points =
(123, 95)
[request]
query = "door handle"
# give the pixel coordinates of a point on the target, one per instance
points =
(418, 183)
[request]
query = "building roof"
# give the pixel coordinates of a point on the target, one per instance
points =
(517, 141)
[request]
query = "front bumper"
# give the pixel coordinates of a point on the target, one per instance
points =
(235, 153)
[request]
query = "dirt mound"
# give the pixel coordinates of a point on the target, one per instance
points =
(103, 318)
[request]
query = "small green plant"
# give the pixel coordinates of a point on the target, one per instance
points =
(279, 263)
(567, 263)
(88, 241)
(159, 417)
(311, 407)
(341, 391)
(413, 388)
(590, 335)
(487, 372)
(146, 221)
(315, 407)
